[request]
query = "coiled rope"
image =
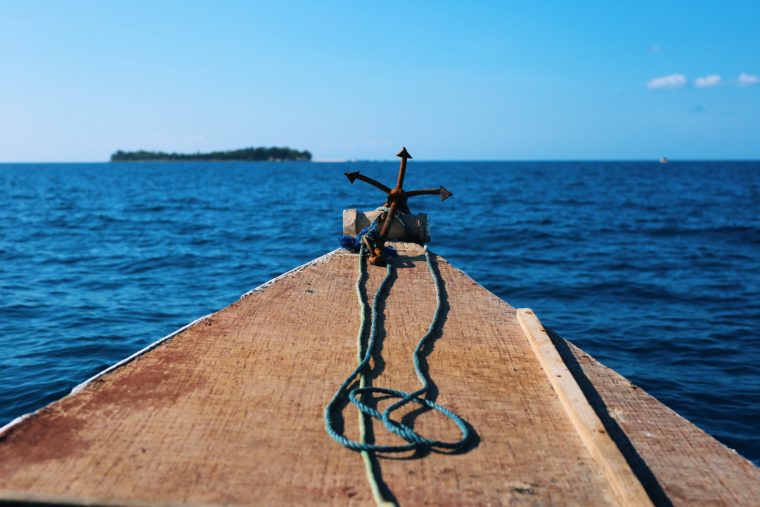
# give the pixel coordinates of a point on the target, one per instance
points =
(357, 395)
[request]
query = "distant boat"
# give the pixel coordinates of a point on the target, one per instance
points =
(664, 160)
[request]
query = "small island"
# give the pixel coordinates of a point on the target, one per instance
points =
(245, 154)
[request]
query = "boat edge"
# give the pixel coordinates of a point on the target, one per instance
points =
(76, 389)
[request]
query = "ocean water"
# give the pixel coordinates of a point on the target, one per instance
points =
(653, 269)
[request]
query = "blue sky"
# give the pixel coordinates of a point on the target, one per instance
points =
(450, 80)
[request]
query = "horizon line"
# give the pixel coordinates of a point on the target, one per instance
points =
(370, 160)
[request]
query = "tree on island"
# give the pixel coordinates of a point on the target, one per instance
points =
(247, 154)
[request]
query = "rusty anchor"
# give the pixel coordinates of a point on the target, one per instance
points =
(395, 203)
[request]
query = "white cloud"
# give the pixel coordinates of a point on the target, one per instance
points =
(667, 82)
(747, 79)
(707, 81)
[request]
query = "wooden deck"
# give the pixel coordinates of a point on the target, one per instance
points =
(229, 411)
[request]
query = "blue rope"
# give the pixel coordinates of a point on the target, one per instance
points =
(357, 395)
(372, 232)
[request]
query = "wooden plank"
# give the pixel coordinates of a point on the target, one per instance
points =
(626, 485)
(686, 465)
(414, 228)
(30, 498)
(229, 411)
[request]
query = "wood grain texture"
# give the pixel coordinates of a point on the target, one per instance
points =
(230, 410)
(690, 467)
(628, 490)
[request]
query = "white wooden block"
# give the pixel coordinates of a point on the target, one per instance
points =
(405, 227)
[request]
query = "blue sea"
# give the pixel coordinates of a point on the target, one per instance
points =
(653, 269)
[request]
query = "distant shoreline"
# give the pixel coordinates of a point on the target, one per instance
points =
(273, 154)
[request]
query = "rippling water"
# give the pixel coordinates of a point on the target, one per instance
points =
(654, 270)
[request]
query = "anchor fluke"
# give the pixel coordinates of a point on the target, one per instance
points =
(441, 191)
(403, 153)
(356, 175)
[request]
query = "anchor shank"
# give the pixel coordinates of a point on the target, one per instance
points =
(401, 174)
(388, 221)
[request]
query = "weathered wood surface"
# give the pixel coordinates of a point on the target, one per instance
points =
(230, 412)
(674, 459)
(610, 460)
